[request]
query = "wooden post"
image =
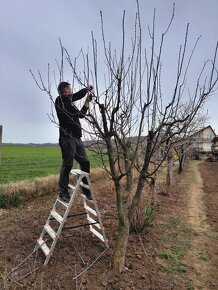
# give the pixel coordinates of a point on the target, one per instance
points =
(1, 129)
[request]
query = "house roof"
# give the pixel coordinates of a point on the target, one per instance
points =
(204, 129)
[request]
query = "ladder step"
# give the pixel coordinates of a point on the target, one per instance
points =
(84, 185)
(93, 221)
(50, 231)
(85, 199)
(56, 216)
(79, 172)
(62, 202)
(90, 209)
(43, 246)
(71, 186)
(97, 234)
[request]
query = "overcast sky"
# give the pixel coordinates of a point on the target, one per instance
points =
(29, 40)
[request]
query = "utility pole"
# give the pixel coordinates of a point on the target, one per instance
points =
(1, 129)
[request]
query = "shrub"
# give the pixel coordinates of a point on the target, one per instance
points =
(143, 216)
(7, 201)
(149, 215)
(210, 159)
(3, 200)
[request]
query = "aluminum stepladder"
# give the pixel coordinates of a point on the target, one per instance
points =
(91, 211)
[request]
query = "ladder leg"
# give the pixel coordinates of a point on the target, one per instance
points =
(98, 215)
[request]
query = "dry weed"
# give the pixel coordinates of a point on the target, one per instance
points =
(14, 193)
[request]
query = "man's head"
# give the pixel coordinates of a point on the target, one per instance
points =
(64, 88)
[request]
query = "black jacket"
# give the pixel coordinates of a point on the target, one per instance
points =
(68, 114)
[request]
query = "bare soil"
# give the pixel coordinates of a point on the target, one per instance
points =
(178, 251)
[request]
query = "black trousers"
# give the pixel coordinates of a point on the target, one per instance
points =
(72, 148)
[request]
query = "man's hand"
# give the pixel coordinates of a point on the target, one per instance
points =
(88, 99)
(89, 87)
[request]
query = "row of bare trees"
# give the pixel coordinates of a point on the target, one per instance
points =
(131, 104)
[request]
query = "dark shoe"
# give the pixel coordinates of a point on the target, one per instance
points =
(87, 193)
(64, 197)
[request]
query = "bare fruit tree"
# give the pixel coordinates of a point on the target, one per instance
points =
(184, 146)
(131, 121)
(183, 143)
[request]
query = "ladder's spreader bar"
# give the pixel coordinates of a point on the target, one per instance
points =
(71, 215)
(82, 225)
(92, 221)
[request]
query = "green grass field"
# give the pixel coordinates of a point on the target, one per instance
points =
(26, 162)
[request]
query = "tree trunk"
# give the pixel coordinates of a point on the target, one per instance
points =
(180, 170)
(181, 161)
(153, 190)
(128, 170)
(142, 177)
(121, 245)
(169, 169)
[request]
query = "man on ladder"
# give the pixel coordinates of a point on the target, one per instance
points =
(70, 133)
(71, 148)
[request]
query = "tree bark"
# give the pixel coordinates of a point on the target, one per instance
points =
(153, 190)
(121, 245)
(181, 161)
(127, 161)
(142, 177)
(169, 169)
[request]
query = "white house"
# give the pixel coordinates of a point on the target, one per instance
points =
(203, 139)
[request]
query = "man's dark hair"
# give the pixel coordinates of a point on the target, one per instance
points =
(61, 87)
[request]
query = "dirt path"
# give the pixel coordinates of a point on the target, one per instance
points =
(203, 235)
(196, 209)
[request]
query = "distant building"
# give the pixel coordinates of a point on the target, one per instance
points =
(203, 139)
(215, 146)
